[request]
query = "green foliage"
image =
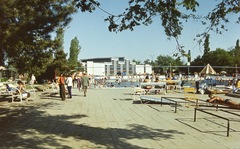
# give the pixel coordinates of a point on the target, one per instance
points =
(219, 15)
(138, 62)
(206, 44)
(167, 60)
(2, 57)
(198, 61)
(74, 52)
(162, 60)
(31, 61)
(87, 5)
(26, 26)
(172, 13)
(219, 57)
(237, 45)
(147, 61)
(60, 62)
(79, 67)
(25, 31)
(59, 39)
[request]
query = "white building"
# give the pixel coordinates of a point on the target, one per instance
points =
(141, 69)
(113, 66)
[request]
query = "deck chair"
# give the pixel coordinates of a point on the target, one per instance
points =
(190, 96)
(136, 91)
(16, 94)
(32, 90)
(10, 89)
(55, 88)
(2, 88)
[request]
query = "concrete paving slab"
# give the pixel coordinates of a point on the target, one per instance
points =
(109, 118)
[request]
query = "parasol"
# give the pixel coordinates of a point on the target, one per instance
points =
(208, 70)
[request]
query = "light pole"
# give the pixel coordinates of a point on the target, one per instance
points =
(152, 63)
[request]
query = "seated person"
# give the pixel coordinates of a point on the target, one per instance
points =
(21, 88)
(157, 86)
(220, 101)
(146, 87)
(10, 89)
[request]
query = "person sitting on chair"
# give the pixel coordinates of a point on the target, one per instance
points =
(220, 101)
(10, 89)
(21, 88)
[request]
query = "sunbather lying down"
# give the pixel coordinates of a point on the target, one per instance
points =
(220, 101)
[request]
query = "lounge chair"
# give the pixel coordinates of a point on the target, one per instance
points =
(16, 94)
(32, 91)
(190, 95)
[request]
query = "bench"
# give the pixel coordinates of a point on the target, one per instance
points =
(176, 84)
(173, 101)
(206, 111)
(189, 97)
(147, 87)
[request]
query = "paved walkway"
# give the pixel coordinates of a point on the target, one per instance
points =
(109, 118)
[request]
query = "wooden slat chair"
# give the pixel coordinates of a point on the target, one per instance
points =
(190, 96)
(10, 88)
(55, 88)
(16, 95)
(136, 91)
(32, 90)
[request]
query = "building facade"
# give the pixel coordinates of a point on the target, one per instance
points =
(113, 66)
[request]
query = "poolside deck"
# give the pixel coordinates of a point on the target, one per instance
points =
(109, 118)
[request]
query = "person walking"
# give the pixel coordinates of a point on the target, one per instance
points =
(79, 83)
(85, 84)
(33, 79)
(61, 82)
(197, 79)
(69, 83)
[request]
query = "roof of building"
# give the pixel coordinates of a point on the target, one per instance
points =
(106, 59)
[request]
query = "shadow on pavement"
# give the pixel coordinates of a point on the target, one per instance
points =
(29, 126)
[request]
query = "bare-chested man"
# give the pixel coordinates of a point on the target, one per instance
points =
(220, 101)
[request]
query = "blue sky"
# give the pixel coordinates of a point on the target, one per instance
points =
(145, 42)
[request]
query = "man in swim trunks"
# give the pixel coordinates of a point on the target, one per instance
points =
(220, 101)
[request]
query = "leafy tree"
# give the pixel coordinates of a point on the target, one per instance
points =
(74, 52)
(235, 53)
(60, 62)
(219, 57)
(138, 62)
(2, 57)
(198, 61)
(60, 39)
(206, 44)
(237, 45)
(79, 67)
(25, 31)
(162, 60)
(147, 61)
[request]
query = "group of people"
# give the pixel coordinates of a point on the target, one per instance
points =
(68, 81)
